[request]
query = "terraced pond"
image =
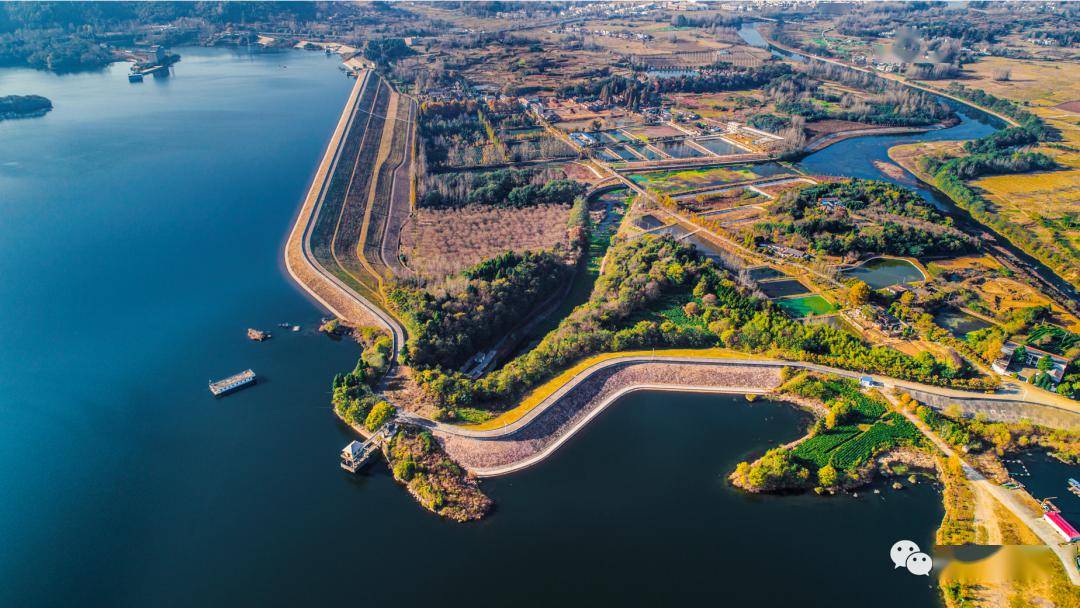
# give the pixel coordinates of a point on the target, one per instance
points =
(720, 146)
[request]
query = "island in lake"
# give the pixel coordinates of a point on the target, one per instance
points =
(24, 106)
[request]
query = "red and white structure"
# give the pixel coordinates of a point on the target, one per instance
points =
(1063, 527)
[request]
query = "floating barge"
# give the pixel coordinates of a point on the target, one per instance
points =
(232, 383)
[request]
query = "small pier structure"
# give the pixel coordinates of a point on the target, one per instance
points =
(355, 455)
(232, 383)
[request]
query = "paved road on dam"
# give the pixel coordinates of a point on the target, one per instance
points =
(1047, 409)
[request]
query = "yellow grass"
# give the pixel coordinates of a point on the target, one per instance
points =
(968, 262)
(1040, 82)
(538, 394)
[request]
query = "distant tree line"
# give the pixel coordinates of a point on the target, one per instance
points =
(886, 104)
(499, 188)
(385, 51)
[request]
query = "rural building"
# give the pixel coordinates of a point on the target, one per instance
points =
(785, 252)
(1001, 364)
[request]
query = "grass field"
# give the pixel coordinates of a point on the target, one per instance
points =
(806, 306)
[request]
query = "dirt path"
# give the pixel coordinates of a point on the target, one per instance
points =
(401, 193)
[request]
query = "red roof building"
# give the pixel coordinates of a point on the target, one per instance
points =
(1062, 526)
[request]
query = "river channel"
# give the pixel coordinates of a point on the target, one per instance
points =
(142, 233)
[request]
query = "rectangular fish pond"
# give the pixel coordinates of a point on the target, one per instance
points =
(678, 149)
(720, 146)
(765, 272)
(647, 152)
(780, 289)
(622, 153)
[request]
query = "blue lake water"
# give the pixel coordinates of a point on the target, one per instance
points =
(142, 234)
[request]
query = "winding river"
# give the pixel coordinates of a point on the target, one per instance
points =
(142, 231)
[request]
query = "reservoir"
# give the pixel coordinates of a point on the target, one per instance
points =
(143, 230)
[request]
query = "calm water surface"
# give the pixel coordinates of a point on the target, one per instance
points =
(879, 273)
(142, 232)
(958, 322)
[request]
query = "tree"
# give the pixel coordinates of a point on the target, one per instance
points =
(838, 414)
(859, 293)
(1045, 364)
(405, 470)
(827, 476)
(1019, 355)
(379, 415)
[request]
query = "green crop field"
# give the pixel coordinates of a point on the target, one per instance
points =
(889, 432)
(806, 306)
(818, 449)
(869, 428)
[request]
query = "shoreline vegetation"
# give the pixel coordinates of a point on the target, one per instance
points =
(442, 486)
(24, 106)
(999, 153)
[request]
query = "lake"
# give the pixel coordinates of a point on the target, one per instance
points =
(143, 230)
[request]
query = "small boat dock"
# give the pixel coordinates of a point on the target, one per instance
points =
(358, 453)
(232, 383)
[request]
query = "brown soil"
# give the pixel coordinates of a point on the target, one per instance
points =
(1070, 106)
